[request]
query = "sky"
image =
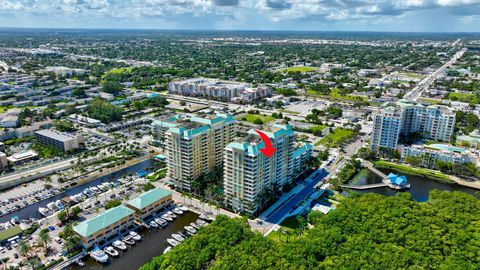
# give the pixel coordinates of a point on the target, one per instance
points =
(312, 15)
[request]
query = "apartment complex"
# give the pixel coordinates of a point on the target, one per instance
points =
(59, 140)
(429, 154)
(408, 118)
(219, 89)
(114, 222)
(194, 145)
(248, 173)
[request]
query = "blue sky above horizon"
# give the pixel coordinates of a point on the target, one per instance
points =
(316, 15)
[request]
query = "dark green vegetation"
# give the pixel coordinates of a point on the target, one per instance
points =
(346, 173)
(112, 204)
(104, 111)
(466, 122)
(365, 232)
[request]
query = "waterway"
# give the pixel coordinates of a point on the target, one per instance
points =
(420, 187)
(153, 244)
(32, 210)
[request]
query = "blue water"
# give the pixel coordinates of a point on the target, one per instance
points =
(32, 210)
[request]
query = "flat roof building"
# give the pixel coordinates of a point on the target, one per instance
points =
(194, 145)
(60, 140)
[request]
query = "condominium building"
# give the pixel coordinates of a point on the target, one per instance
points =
(214, 88)
(408, 118)
(248, 172)
(429, 154)
(59, 140)
(194, 146)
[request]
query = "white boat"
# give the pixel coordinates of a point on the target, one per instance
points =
(167, 217)
(119, 244)
(79, 262)
(110, 251)
(183, 208)
(194, 225)
(52, 206)
(59, 205)
(177, 211)
(88, 192)
(171, 214)
(15, 221)
(201, 223)
(173, 242)
(205, 217)
(162, 222)
(98, 255)
(153, 224)
(167, 249)
(44, 211)
(190, 229)
(128, 240)
(101, 187)
(135, 236)
(177, 237)
(94, 190)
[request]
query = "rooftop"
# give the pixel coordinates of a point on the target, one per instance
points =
(103, 220)
(56, 135)
(149, 197)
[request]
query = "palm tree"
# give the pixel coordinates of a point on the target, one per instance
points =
(34, 263)
(44, 239)
(24, 248)
(72, 242)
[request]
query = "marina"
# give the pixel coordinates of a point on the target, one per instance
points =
(41, 209)
(153, 243)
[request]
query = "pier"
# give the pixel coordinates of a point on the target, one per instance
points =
(385, 180)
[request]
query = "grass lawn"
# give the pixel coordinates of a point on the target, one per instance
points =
(334, 94)
(338, 136)
(317, 128)
(431, 100)
(401, 168)
(297, 69)
(252, 117)
(463, 97)
(289, 224)
(3, 109)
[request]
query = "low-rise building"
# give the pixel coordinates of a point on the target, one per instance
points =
(60, 140)
(439, 152)
(18, 158)
(105, 225)
(150, 202)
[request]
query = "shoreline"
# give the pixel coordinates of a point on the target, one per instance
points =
(430, 174)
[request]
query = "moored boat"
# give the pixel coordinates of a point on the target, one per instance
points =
(119, 244)
(177, 211)
(110, 251)
(44, 211)
(153, 224)
(99, 255)
(135, 236)
(178, 237)
(128, 240)
(167, 249)
(173, 242)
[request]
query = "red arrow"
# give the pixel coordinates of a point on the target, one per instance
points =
(269, 150)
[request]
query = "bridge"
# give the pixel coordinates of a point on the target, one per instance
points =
(370, 166)
(365, 187)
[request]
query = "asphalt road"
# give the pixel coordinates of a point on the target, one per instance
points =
(277, 216)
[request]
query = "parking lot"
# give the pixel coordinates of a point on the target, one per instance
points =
(24, 195)
(305, 107)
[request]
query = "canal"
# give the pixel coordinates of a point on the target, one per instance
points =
(420, 187)
(153, 244)
(32, 210)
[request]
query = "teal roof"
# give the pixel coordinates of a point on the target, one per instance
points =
(149, 197)
(301, 150)
(205, 124)
(103, 220)
(282, 130)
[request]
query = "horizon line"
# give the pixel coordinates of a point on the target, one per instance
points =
(236, 30)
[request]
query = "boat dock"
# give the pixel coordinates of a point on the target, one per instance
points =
(386, 182)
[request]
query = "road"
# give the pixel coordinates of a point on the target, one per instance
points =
(18, 178)
(423, 85)
(279, 214)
